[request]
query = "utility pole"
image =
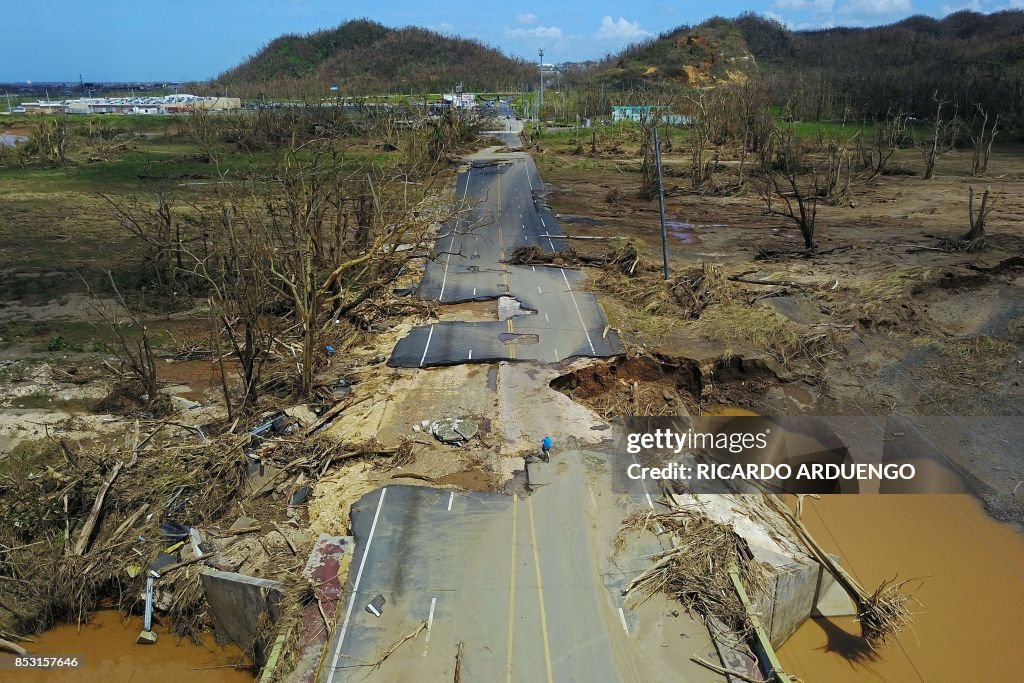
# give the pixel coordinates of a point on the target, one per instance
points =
(540, 103)
(661, 202)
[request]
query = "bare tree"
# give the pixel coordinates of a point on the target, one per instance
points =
(158, 229)
(982, 143)
(942, 139)
(836, 188)
(889, 135)
(800, 199)
(133, 345)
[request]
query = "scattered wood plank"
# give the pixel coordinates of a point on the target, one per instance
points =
(237, 532)
(287, 540)
(458, 663)
(90, 523)
(579, 237)
(770, 283)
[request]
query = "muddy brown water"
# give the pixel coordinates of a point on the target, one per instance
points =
(971, 617)
(201, 376)
(108, 653)
(971, 589)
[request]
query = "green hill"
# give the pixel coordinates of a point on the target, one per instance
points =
(967, 57)
(364, 57)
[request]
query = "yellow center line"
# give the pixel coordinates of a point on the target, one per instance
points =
(540, 593)
(512, 591)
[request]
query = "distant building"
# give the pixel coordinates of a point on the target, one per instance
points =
(638, 113)
(170, 104)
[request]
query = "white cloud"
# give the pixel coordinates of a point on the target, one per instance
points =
(528, 18)
(779, 18)
(973, 5)
(878, 7)
(799, 5)
(538, 32)
(620, 30)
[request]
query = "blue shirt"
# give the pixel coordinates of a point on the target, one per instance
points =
(547, 442)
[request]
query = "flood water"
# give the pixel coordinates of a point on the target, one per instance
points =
(108, 652)
(971, 620)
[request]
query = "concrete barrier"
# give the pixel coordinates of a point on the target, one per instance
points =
(237, 604)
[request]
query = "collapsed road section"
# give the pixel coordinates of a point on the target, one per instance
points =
(502, 211)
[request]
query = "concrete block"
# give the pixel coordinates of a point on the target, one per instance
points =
(831, 599)
(237, 603)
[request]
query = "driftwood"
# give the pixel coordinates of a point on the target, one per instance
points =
(237, 532)
(291, 546)
(13, 648)
(184, 563)
(723, 671)
(771, 283)
(329, 416)
(390, 650)
(579, 237)
(458, 663)
(90, 523)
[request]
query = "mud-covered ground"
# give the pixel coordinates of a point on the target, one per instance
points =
(882, 320)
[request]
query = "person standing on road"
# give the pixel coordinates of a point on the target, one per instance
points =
(545, 447)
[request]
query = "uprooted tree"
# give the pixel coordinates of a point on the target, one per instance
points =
(974, 239)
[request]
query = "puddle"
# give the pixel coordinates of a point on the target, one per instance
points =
(471, 480)
(200, 376)
(106, 646)
(8, 140)
(687, 232)
(972, 597)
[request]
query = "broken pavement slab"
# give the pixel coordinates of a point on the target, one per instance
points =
(454, 430)
(238, 604)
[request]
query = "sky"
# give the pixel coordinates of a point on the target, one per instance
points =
(152, 40)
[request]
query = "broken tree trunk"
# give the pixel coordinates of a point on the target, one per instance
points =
(13, 648)
(90, 523)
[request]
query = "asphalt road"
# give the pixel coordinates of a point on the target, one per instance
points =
(511, 588)
(502, 196)
(523, 583)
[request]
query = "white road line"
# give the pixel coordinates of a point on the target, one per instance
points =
(528, 179)
(474, 291)
(578, 312)
(355, 588)
(552, 245)
(430, 618)
(556, 356)
(524, 226)
(451, 246)
(542, 222)
(622, 616)
(471, 354)
(538, 290)
(592, 499)
(647, 493)
(430, 622)
(427, 345)
(533, 268)
(450, 499)
(546, 318)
